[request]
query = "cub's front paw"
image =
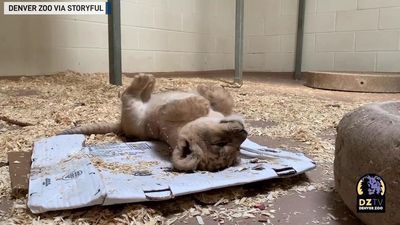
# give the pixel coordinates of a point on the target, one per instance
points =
(141, 81)
(141, 87)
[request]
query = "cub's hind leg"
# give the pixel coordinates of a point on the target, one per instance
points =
(220, 99)
(141, 88)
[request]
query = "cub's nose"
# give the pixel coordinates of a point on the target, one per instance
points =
(243, 134)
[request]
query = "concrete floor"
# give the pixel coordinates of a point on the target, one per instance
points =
(312, 207)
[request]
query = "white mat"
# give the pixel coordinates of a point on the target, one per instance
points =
(67, 175)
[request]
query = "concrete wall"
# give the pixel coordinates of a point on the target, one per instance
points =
(157, 35)
(340, 35)
(196, 35)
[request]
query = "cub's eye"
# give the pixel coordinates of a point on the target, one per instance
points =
(221, 144)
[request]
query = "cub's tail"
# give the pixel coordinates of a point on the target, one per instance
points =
(96, 128)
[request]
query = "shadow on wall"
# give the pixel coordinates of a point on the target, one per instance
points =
(34, 45)
(203, 39)
(25, 44)
(199, 37)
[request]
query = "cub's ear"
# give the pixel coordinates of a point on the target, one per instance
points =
(186, 157)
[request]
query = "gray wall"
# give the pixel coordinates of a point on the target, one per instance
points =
(197, 35)
(340, 35)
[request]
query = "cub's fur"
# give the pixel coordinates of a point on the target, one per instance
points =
(197, 125)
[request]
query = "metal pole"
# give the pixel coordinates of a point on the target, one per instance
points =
(239, 41)
(114, 42)
(299, 40)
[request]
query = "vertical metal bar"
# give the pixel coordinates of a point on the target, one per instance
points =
(239, 41)
(299, 40)
(114, 42)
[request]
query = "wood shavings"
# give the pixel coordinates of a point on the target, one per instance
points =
(332, 217)
(216, 197)
(5, 183)
(140, 168)
(200, 220)
(69, 99)
(171, 220)
(221, 201)
(232, 85)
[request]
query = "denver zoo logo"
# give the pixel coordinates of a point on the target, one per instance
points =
(371, 194)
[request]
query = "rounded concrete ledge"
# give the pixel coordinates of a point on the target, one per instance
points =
(368, 142)
(360, 82)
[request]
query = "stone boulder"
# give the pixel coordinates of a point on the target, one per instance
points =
(368, 142)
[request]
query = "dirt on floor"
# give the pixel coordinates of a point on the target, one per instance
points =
(279, 113)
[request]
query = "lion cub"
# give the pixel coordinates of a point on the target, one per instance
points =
(197, 125)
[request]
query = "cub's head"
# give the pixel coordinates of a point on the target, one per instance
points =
(209, 144)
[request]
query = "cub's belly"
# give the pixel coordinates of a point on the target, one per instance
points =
(165, 98)
(133, 119)
(142, 120)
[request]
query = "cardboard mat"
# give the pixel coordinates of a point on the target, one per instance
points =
(66, 175)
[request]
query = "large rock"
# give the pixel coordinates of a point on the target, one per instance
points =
(368, 141)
